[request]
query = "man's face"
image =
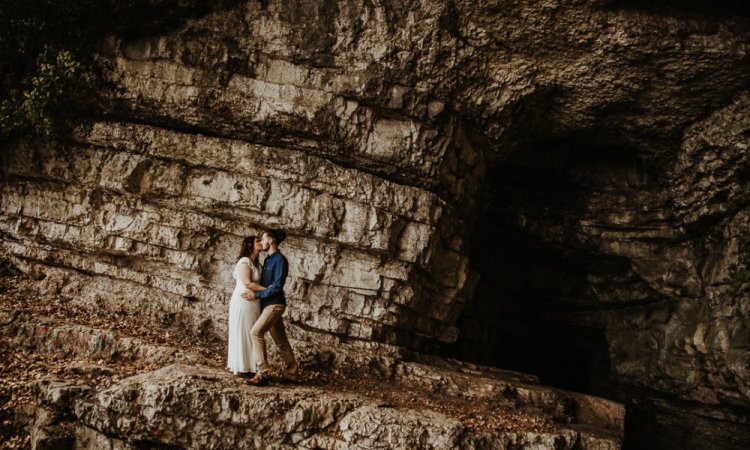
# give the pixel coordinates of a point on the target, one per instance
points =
(265, 241)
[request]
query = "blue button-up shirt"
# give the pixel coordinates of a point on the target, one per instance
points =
(273, 277)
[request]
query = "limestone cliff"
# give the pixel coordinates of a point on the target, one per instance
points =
(467, 178)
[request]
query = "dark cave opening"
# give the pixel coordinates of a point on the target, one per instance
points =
(519, 322)
(552, 292)
(534, 304)
(520, 318)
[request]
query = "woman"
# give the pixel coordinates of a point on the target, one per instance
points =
(243, 313)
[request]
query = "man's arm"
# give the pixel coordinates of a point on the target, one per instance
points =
(253, 286)
(280, 271)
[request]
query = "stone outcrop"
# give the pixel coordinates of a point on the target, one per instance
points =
(455, 176)
(152, 409)
(78, 341)
(189, 403)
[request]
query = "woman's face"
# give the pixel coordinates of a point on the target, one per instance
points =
(257, 246)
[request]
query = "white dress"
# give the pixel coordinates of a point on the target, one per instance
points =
(242, 315)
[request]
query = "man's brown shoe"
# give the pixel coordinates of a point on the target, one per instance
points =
(290, 375)
(291, 372)
(258, 380)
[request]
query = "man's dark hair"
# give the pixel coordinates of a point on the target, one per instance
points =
(277, 235)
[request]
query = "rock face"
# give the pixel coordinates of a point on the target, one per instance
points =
(122, 402)
(150, 410)
(640, 277)
(463, 177)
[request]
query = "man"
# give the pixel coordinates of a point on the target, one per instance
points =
(272, 305)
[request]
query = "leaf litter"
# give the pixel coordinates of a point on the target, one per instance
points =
(21, 366)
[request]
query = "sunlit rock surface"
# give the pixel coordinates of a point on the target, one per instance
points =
(457, 177)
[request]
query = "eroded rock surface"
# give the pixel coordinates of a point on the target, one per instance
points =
(197, 407)
(105, 390)
(611, 139)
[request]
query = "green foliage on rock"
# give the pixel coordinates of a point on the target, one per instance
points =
(48, 98)
(49, 72)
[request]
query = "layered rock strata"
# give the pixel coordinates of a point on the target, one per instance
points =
(187, 402)
(369, 132)
(150, 410)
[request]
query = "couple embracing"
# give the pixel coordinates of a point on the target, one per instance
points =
(256, 307)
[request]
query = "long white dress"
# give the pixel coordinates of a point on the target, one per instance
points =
(242, 315)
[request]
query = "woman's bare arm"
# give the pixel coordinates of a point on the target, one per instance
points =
(249, 284)
(244, 273)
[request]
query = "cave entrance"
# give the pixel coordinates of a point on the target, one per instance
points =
(519, 319)
(534, 306)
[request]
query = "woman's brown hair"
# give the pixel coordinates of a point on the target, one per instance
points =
(247, 246)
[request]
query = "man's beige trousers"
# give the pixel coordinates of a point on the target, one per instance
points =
(270, 320)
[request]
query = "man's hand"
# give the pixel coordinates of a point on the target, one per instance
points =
(249, 295)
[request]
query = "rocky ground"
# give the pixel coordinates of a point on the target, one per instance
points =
(554, 183)
(72, 379)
